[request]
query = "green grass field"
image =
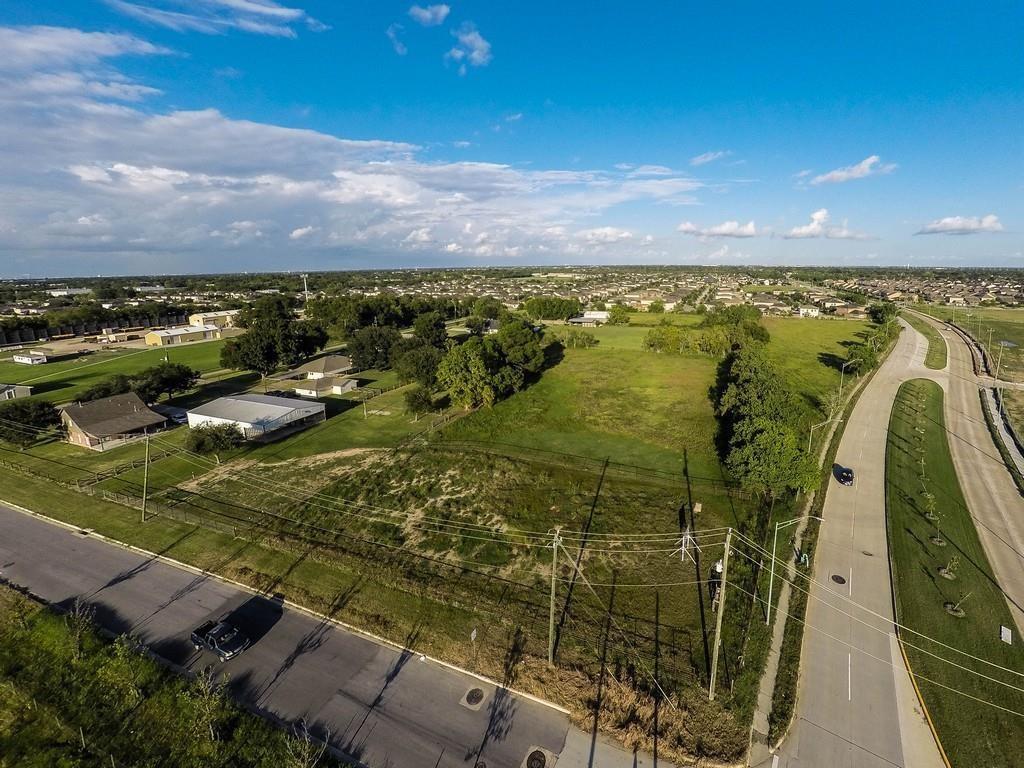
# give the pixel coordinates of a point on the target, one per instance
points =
(971, 732)
(1005, 324)
(936, 356)
(61, 381)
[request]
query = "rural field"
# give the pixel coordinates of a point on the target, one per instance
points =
(953, 684)
(1005, 325)
(60, 381)
(435, 533)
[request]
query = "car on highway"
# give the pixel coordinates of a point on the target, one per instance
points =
(845, 476)
(220, 637)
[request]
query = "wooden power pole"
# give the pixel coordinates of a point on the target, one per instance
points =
(721, 613)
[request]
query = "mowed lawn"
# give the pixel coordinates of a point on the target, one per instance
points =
(1006, 325)
(809, 351)
(61, 381)
(971, 732)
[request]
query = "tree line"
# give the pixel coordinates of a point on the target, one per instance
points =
(719, 331)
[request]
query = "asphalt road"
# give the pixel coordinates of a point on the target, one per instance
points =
(382, 705)
(856, 707)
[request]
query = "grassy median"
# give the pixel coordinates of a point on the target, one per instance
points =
(973, 694)
(936, 357)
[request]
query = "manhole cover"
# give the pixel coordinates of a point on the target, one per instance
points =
(865, 552)
(475, 696)
(536, 759)
(838, 579)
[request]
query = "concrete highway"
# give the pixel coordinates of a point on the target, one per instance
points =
(382, 705)
(856, 707)
(989, 490)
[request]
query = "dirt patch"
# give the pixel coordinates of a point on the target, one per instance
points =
(219, 472)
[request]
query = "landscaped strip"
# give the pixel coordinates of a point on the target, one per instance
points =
(936, 357)
(946, 596)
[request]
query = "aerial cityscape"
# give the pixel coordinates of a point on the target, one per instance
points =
(484, 386)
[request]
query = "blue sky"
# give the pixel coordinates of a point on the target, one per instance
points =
(209, 135)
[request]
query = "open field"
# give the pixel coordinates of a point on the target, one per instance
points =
(1005, 325)
(936, 356)
(972, 733)
(61, 381)
(453, 530)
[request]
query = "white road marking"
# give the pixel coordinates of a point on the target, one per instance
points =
(775, 761)
(850, 582)
(849, 677)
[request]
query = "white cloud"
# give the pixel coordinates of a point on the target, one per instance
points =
(710, 157)
(84, 167)
(214, 17)
(53, 48)
(651, 170)
(301, 232)
(869, 166)
(819, 226)
(430, 15)
(515, 117)
(962, 225)
(601, 235)
(472, 48)
(396, 43)
(725, 229)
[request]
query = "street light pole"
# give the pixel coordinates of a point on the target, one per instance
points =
(810, 434)
(842, 375)
(775, 546)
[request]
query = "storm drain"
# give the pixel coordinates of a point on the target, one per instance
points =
(473, 699)
(838, 579)
(538, 757)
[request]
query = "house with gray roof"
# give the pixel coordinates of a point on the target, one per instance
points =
(110, 421)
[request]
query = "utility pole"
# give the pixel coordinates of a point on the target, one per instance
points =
(145, 479)
(556, 541)
(721, 613)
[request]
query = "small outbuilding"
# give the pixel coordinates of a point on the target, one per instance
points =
(31, 357)
(184, 335)
(14, 391)
(258, 416)
(110, 421)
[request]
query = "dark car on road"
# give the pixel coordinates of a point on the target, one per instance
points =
(220, 637)
(845, 476)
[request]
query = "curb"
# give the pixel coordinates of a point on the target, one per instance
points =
(288, 603)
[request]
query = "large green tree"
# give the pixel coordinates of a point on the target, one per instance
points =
(23, 421)
(429, 328)
(370, 347)
(465, 373)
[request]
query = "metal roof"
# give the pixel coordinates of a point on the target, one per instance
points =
(256, 409)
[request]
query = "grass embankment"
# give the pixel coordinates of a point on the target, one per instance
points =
(1006, 324)
(1001, 446)
(936, 356)
(68, 697)
(61, 381)
(971, 732)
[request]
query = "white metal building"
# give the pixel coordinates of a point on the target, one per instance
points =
(257, 415)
